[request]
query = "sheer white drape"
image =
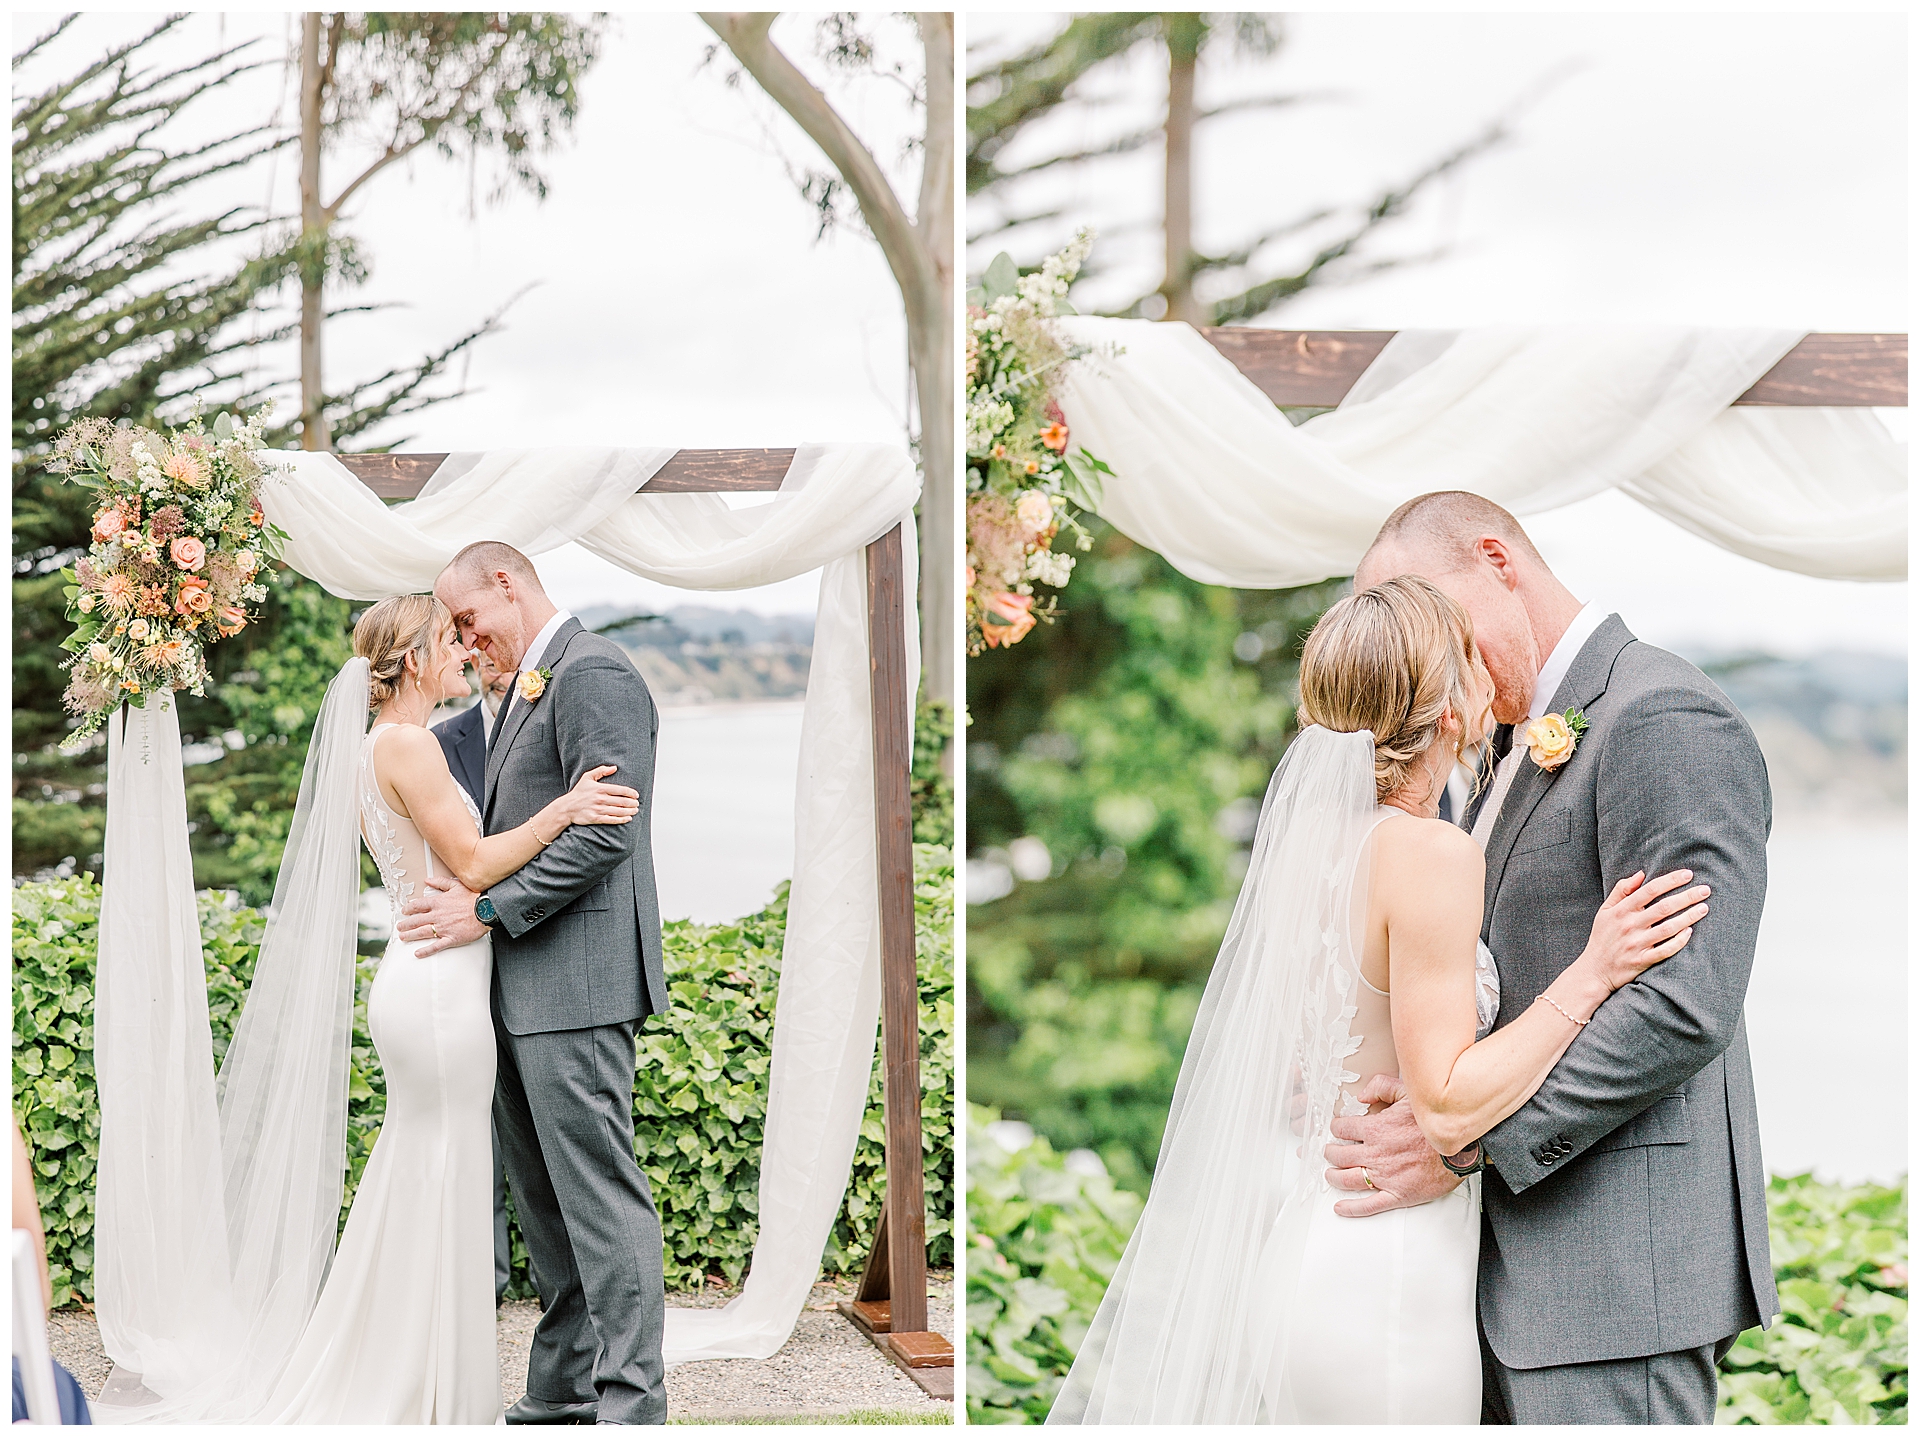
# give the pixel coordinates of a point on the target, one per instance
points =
(1211, 474)
(165, 1229)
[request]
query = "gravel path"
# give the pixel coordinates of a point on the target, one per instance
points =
(827, 1368)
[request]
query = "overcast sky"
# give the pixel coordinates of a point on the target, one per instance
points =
(1719, 169)
(681, 297)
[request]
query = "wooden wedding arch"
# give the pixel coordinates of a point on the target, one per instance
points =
(1314, 368)
(891, 1305)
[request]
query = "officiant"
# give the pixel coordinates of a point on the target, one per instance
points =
(464, 740)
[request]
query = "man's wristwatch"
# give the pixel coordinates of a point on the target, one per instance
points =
(483, 910)
(1453, 1166)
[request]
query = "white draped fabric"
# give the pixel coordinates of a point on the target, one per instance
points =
(1209, 473)
(164, 1230)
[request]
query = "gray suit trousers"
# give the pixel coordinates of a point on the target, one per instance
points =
(1668, 1389)
(563, 1107)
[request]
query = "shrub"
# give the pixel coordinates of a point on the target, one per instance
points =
(699, 1094)
(1838, 1353)
(1044, 1235)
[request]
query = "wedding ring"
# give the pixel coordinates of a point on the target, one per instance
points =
(435, 931)
(1367, 1178)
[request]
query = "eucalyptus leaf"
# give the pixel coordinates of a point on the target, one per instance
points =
(1002, 277)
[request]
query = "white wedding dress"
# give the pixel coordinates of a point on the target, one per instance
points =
(1378, 1324)
(404, 1329)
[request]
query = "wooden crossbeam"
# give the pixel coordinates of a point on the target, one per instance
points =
(691, 471)
(897, 1271)
(1314, 368)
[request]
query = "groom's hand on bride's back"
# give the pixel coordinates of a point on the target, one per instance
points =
(1387, 1148)
(440, 917)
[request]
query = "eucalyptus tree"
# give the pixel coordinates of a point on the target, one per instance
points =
(377, 88)
(917, 243)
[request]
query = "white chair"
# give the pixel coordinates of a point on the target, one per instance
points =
(30, 1334)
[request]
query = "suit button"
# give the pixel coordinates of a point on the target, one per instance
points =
(536, 914)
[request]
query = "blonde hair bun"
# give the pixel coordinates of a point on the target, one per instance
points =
(389, 631)
(1394, 659)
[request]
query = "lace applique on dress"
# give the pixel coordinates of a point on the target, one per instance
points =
(376, 827)
(1486, 991)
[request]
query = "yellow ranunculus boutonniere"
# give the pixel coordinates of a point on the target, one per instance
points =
(533, 683)
(1552, 738)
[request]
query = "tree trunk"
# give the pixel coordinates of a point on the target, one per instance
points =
(313, 240)
(930, 341)
(1183, 52)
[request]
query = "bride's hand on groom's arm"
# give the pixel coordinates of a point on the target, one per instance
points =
(440, 917)
(1388, 1148)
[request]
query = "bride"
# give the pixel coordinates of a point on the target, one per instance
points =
(1353, 952)
(403, 1330)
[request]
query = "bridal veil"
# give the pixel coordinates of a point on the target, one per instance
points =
(1179, 1336)
(208, 1348)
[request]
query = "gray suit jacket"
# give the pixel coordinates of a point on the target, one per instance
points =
(1626, 1214)
(578, 941)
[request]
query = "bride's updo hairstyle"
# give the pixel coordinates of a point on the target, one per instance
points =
(392, 629)
(1392, 659)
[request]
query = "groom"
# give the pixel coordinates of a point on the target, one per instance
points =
(576, 968)
(1624, 1234)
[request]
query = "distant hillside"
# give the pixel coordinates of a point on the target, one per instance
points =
(692, 654)
(1833, 727)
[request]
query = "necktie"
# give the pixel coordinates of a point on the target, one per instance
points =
(500, 717)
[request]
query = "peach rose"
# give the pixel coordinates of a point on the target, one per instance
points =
(107, 523)
(1034, 512)
(232, 620)
(188, 552)
(532, 684)
(194, 597)
(85, 603)
(137, 630)
(1550, 741)
(1007, 618)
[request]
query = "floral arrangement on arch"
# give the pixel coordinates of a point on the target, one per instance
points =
(179, 557)
(1022, 484)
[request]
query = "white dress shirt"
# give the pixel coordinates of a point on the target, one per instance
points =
(1552, 674)
(536, 651)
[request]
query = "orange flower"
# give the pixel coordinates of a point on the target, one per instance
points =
(232, 620)
(1054, 436)
(258, 515)
(194, 597)
(1005, 618)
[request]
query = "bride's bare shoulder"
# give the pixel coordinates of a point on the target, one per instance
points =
(1429, 847)
(412, 748)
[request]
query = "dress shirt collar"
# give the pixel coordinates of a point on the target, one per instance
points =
(537, 650)
(1554, 671)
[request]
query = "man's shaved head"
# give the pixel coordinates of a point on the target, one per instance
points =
(496, 600)
(478, 563)
(1442, 532)
(1476, 553)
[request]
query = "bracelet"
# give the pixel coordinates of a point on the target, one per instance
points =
(1577, 1022)
(535, 829)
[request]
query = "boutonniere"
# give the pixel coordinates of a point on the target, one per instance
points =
(533, 683)
(1552, 738)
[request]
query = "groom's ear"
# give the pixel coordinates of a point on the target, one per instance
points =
(1494, 553)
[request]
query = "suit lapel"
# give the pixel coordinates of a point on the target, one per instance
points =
(519, 710)
(1586, 680)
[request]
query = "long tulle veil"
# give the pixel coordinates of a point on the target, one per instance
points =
(283, 1115)
(1189, 1324)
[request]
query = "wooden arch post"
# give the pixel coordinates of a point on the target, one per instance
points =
(891, 1307)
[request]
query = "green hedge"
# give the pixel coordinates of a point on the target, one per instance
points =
(1043, 1241)
(699, 1096)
